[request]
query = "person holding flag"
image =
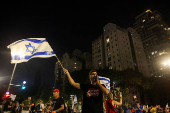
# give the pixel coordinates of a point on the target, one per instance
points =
(93, 93)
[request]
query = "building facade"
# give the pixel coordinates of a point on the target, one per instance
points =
(152, 29)
(116, 49)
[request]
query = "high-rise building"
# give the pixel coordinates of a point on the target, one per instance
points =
(118, 49)
(98, 56)
(152, 30)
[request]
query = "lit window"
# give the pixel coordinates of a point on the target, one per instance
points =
(75, 63)
(107, 40)
(74, 67)
(152, 17)
(100, 63)
(143, 21)
(168, 28)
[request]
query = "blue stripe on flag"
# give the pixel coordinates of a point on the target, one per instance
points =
(104, 79)
(17, 57)
(31, 40)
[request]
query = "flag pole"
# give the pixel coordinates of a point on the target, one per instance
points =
(12, 77)
(59, 62)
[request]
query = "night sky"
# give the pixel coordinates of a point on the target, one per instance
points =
(66, 26)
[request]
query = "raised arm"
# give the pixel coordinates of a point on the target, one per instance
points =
(72, 82)
(117, 103)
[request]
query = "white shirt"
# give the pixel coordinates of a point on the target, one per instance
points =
(41, 106)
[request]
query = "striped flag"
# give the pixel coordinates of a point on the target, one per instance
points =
(74, 101)
(25, 49)
(105, 81)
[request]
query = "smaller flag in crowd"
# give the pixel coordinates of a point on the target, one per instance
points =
(74, 101)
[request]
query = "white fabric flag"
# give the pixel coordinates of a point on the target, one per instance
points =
(25, 49)
(105, 81)
(74, 101)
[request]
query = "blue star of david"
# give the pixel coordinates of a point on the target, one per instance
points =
(29, 45)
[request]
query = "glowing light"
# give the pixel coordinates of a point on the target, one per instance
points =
(148, 11)
(165, 63)
(107, 40)
(143, 21)
(24, 82)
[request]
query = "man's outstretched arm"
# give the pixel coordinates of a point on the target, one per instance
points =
(72, 82)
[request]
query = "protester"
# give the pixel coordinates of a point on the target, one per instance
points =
(153, 110)
(14, 107)
(26, 105)
(138, 108)
(93, 93)
(40, 107)
(126, 109)
(75, 109)
(145, 110)
(159, 109)
(6, 105)
(79, 109)
(110, 104)
(58, 102)
(70, 108)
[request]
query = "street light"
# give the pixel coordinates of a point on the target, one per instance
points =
(24, 82)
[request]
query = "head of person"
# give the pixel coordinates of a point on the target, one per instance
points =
(16, 103)
(151, 106)
(13, 103)
(66, 102)
(93, 76)
(41, 101)
(137, 103)
(110, 96)
(56, 93)
(79, 103)
(159, 106)
(29, 98)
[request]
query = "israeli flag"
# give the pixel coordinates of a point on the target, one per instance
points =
(105, 81)
(74, 101)
(25, 49)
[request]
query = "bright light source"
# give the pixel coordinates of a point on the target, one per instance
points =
(7, 93)
(74, 67)
(75, 63)
(17, 85)
(23, 87)
(143, 21)
(107, 40)
(24, 82)
(12, 84)
(165, 63)
(148, 11)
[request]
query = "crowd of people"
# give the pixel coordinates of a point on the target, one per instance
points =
(92, 101)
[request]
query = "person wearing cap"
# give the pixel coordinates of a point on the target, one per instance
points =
(92, 93)
(58, 103)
